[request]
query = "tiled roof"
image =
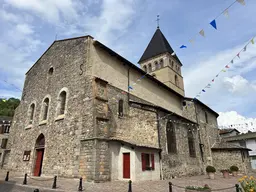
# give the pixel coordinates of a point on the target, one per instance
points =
(228, 146)
(224, 131)
(157, 45)
(133, 143)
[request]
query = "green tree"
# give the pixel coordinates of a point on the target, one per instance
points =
(7, 107)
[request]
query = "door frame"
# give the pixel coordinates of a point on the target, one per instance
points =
(123, 154)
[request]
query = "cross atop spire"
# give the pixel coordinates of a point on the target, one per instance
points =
(157, 21)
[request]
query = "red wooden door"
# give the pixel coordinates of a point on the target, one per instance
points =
(126, 165)
(39, 161)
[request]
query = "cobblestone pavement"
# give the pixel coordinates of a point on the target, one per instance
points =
(71, 185)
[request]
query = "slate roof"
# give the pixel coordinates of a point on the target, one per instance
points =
(228, 146)
(243, 136)
(157, 45)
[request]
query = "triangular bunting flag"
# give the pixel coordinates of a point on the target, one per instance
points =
(203, 90)
(227, 66)
(238, 55)
(183, 46)
(217, 75)
(201, 32)
(242, 2)
(212, 80)
(223, 70)
(191, 41)
(130, 87)
(232, 61)
(252, 40)
(245, 48)
(226, 13)
(213, 23)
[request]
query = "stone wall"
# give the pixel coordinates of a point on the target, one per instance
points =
(71, 69)
(208, 128)
(180, 163)
(224, 159)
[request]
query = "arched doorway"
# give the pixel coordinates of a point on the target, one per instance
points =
(39, 155)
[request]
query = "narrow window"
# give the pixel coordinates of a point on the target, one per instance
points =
(62, 102)
(171, 138)
(156, 65)
(149, 67)
(176, 80)
(172, 64)
(7, 129)
(161, 63)
(145, 68)
(45, 108)
(50, 72)
(4, 143)
(26, 155)
(191, 144)
(206, 117)
(31, 113)
(120, 108)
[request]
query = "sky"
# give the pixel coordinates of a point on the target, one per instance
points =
(28, 27)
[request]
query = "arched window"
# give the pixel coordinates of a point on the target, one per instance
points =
(45, 108)
(40, 141)
(156, 65)
(206, 117)
(191, 144)
(145, 68)
(120, 108)
(31, 113)
(171, 138)
(62, 102)
(176, 80)
(149, 67)
(161, 63)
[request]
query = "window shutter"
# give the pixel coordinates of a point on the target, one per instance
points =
(143, 162)
(153, 161)
(1, 129)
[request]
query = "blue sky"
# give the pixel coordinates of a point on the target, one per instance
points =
(28, 27)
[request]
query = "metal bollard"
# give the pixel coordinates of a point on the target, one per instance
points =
(130, 186)
(80, 188)
(170, 186)
(237, 188)
(54, 185)
(7, 176)
(36, 190)
(25, 179)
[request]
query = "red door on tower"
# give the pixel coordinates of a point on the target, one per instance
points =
(39, 162)
(126, 165)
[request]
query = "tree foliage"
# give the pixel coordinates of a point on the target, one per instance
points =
(7, 107)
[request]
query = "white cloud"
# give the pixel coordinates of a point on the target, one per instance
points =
(232, 119)
(24, 29)
(49, 10)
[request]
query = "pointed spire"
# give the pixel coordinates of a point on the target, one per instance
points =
(157, 45)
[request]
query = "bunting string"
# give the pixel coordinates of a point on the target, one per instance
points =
(213, 23)
(225, 68)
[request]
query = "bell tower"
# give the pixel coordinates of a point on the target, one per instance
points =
(160, 61)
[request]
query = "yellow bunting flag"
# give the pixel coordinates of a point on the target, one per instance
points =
(202, 32)
(252, 40)
(242, 2)
(191, 41)
(223, 70)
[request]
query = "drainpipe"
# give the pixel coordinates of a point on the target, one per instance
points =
(159, 144)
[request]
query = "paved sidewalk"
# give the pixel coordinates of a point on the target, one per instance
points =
(71, 185)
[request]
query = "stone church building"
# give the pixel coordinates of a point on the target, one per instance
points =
(87, 111)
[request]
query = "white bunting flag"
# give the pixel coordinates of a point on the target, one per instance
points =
(226, 13)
